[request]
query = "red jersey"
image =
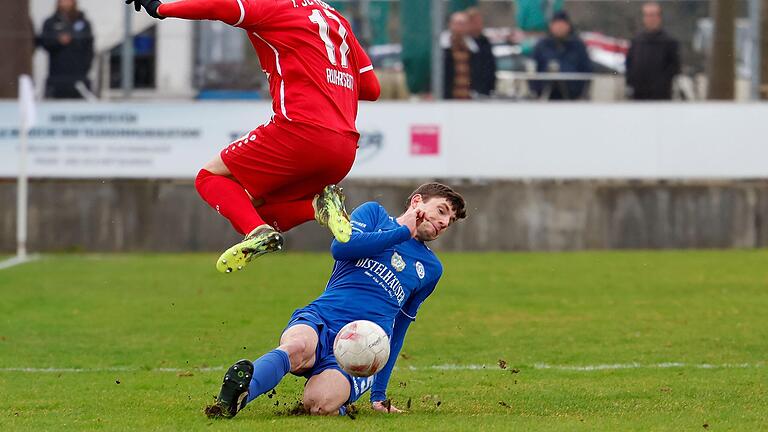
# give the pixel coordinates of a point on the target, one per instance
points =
(307, 49)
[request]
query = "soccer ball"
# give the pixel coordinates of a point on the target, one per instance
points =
(361, 348)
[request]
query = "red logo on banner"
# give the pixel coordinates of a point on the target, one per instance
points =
(425, 140)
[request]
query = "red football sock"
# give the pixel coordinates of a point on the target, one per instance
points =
(286, 215)
(228, 198)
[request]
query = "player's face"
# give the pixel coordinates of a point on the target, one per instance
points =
(438, 216)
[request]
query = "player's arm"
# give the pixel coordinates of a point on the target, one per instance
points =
(381, 380)
(405, 317)
(229, 11)
(370, 89)
(50, 37)
(366, 240)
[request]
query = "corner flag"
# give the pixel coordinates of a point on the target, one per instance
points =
(27, 102)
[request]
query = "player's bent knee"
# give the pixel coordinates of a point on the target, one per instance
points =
(326, 392)
(321, 406)
(202, 175)
(217, 166)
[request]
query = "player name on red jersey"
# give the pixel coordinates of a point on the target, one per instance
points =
(340, 78)
(305, 3)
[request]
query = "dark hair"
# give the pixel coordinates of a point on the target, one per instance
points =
(439, 190)
(560, 15)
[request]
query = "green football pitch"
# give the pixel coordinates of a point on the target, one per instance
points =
(578, 341)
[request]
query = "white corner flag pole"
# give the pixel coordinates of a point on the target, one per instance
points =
(27, 115)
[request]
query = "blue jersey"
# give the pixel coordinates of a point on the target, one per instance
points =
(381, 272)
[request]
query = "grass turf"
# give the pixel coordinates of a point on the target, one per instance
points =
(147, 329)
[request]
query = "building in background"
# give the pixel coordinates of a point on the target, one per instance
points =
(17, 41)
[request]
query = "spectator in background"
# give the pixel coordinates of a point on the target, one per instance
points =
(457, 53)
(482, 63)
(68, 39)
(561, 51)
(653, 59)
(534, 15)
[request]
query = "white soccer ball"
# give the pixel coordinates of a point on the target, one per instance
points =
(361, 348)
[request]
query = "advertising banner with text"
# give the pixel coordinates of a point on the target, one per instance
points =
(407, 140)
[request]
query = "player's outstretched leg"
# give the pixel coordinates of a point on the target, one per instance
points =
(245, 381)
(261, 240)
(330, 212)
(234, 391)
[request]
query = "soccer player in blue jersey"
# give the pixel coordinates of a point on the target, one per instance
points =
(383, 274)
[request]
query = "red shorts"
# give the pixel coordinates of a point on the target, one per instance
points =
(283, 163)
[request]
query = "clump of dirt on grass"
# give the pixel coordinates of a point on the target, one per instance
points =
(352, 411)
(297, 410)
(214, 411)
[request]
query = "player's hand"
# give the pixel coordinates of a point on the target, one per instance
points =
(385, 407)
(150, 6)
(412, 218)
(136, 4)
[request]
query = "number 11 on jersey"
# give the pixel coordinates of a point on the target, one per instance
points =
(324, 31)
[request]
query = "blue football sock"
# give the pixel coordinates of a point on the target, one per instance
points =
(268, 370)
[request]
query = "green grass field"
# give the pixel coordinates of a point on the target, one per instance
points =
(139, 342)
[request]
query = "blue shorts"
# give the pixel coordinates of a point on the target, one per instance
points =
(324, 358)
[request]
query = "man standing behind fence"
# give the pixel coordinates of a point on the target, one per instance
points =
(562, 51)
(457, 53)
(68, 39)
(653, 59)
(482, 63)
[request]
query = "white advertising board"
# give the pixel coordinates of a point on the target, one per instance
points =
(409, 140)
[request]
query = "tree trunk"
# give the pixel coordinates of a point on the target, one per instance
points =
(17, 38)
(764, 49)
(722, 65)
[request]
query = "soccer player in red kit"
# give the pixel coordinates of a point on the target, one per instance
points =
(284, 172)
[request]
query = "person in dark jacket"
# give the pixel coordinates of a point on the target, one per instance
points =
(458, 48)
(68, 39)
(482, 63)
(561, 51)
(653, 59)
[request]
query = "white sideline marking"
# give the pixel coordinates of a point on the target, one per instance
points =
(592, 368)
(11, 262)
(668, 365)
(110, 369)
(539, 366)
